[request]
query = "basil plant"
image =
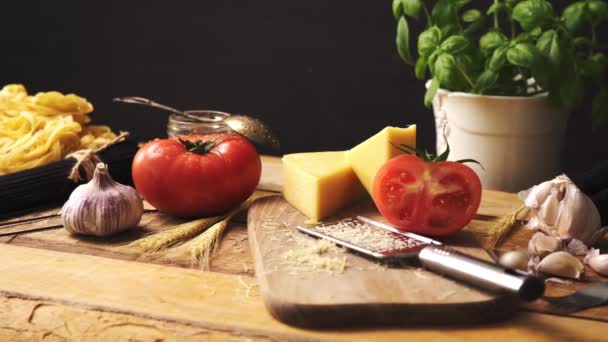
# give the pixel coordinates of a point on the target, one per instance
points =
(512, 48)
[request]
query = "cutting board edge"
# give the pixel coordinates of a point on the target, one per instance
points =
(389, 314)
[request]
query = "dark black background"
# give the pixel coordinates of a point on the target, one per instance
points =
(324, 74)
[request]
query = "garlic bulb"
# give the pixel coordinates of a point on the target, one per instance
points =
(516, 259)
(598, 262)
(542, 245)
(560, 264)
(101, 207)
(559, 208)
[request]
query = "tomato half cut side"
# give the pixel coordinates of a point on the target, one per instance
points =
(453, 195)
(398, 191)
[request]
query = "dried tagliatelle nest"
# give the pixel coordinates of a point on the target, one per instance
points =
(39, 129)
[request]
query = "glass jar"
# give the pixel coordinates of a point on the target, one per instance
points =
(210, 121)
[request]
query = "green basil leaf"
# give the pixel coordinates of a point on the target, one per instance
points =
(599, 108)
(523, 55)
(490, 41)
(444, 13)
(533, 13)
(450, 30)
(428, 41)
(454, 44)
(420, 68)
(594, 67)
(471, 15)
(598, 11)
(403, 41)
(397, 8)
(542, 75)
(486, 80)
(460, 3)
(447, 72)
(549, 47)
(574, 17)
(412, 8)
(430, 93)
(499, 57)
(475, 26)
(496, 8)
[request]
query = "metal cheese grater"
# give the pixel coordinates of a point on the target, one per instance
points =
(432, 255)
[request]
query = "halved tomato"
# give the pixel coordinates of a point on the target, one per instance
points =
(430, 198)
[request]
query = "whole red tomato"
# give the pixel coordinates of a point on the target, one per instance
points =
(197, 175)
(430, 198)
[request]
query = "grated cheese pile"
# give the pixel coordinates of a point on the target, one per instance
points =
(367, 236)
(317, 255)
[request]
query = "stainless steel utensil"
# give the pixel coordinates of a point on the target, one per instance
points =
(251, 128)
(439, 258)
(588, 297)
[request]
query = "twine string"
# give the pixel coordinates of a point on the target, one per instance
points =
(88, 158)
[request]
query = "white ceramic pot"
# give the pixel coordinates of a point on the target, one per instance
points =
(517, 139)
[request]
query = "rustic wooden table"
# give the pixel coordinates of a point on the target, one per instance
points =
(57, 287)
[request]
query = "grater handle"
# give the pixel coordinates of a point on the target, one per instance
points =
(443, 260)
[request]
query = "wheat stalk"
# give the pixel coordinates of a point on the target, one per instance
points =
(498, 230)
(175, 235)
(202, 247)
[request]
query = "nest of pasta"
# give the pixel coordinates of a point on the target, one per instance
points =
(40, 129)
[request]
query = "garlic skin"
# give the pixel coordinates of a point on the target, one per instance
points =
(559, 208)
(561, 264)
(516, 259)
(541, 245)
(598, 262)
(102, 206)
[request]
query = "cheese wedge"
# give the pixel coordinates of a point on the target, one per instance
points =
(367, 157)
(320, 183)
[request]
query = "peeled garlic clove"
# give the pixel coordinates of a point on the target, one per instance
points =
(516, 259)
(102, 206)
(542, 245)
(598, 262)
(561, 264)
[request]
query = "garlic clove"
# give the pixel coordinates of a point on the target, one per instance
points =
(576, 247)
(516, 259)
(542, 245)
(535, 196)
(598, 262)
(598, 235)
(102, 206)
(561, 264)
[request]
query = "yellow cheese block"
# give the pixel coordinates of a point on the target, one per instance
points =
(320, 183)
(367, 157)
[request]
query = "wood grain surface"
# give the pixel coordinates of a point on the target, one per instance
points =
(57, 296)
(365, 292)
(43, 297)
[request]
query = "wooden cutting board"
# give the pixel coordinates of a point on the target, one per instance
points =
(365, 292)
